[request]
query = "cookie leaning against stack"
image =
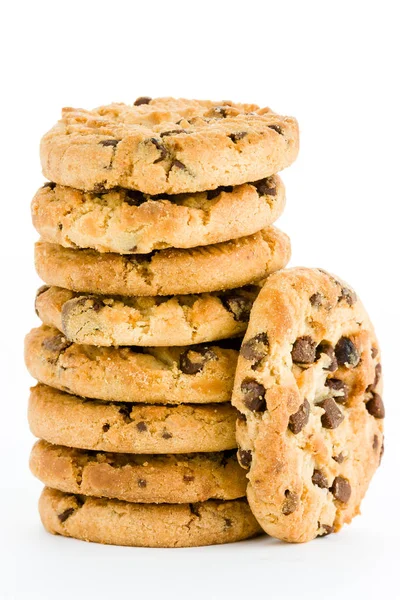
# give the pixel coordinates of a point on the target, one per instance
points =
(157, 231)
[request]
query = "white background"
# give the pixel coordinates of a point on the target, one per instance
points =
(335, 67)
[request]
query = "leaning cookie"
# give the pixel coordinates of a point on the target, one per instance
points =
(68, 420)
(148, 320)
(308, 386)
(200, 374)
(171, 478)
(222, 266)
(168, 146)
(147, 525)
(127, 221)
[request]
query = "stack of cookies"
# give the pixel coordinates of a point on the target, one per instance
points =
(156, 236)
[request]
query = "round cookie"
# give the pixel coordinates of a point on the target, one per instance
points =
(147, 525)
(197, 374)
(60, 418)
(148, 320)
(168, 146)
(165, 272)
(139, 478)
(308, 386)
(127, 221)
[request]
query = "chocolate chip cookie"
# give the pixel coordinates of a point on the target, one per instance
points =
(309, 389)
(145, 478)
(200, 374)
(147, 320)
(167, 146)
(147, 525)
(67, 420)
(129, 222)
(165, 272)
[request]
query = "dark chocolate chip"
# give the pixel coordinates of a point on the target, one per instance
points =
(178, 164)
(326, 348)
(378, 374)
(162, 149)
(319, 479)
(194, 509)
(339, 458)
(255, 349)
(134, 197)
(239, 306)
(49, 184)
(57, 343)
(188, 478)
(254, 395)
(299, 419)
(235, 137)
(265, 187)
(241, 417)
(346, 353)
(375, 406)
(166, 435)
(332, 416)
(228, 522)
(276, 128)
(328, 529)
(142, 483)
(340, 390)
(374, 352)
(244, 458)
(211, 194)
(172, 132)
(125, 410)
(113, 143)
(316, 299)
(141, 426)
(348, 295)
(303, 351)
(341, 489)
(142, 100)
(106, 427)
(375, 442)
(64, 515)
(220, 110)
(193, 359)
(291, 503)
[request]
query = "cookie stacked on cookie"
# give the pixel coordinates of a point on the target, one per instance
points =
(156, 234)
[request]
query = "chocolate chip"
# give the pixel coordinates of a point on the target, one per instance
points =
(106, 427)
(254, 395)
(328, 529)
(346, 353)
(303, 351)
(319, 479)
(265, 187)
(188, 478)
(374, 352)
(142, 483)
(113, 143)
(341, 389)
(339, 458)
(299, 419)
(220, 111)
(125, 410)
(291, 503)
(134, 197)
(348, 295)
(64, 515)
(141, 426)
(178, 164)
(172, 132)
(211, 194)
(49, 184)
(341, 489)
(228, 522)
(375, 406)
(378, 374)
(255, 349)
(193, 359)
(276, 128)
(97, 304)
(241, 416)
(316, 299)
(235, 137)
(57, 343)
(194, 509)
(333, 416)
(142, 100)
(375, 443)
(238, 306)
(162, 149)
(326, 348)
(245, 458)
(166, 435)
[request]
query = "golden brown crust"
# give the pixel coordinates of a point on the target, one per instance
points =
(67, 420)
(139, 477)
(168, 146)
(206, 269)
(146, 525)
(152, 375)
(127, 222)
(308, 384)
(148, 320)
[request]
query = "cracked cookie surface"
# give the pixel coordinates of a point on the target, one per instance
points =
(222, 266)
(146, 321)
(129, 222)
(197, 374)
(67, 420)
(308, 386)
(139, 477)
(167, 146)
(148, 525)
